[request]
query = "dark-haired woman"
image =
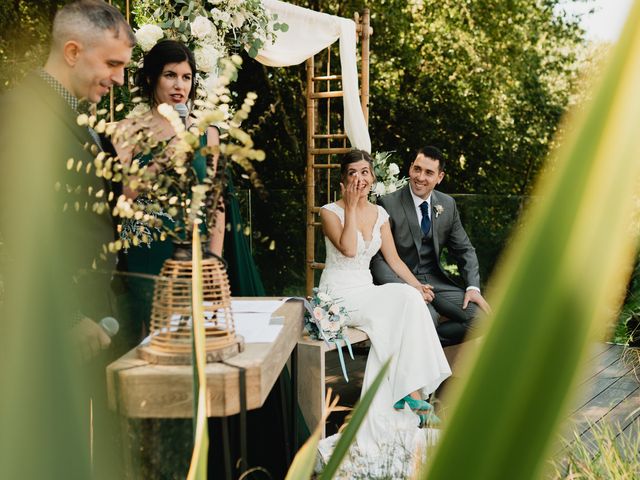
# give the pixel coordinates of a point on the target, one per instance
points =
(395, 318)
(168, 75)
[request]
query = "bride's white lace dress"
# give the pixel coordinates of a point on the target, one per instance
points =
(400, 327)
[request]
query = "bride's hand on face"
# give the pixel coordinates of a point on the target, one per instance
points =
(350, 193)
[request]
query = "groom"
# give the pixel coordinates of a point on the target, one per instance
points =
(423, 222)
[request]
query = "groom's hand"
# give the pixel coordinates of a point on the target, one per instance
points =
(427, 293)
(475, 297)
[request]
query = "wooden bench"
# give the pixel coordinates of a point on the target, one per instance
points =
(312, 374)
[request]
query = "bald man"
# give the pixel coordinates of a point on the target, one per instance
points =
(57, 277)
(47, 207)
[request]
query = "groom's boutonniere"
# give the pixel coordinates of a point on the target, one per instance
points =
(438, 209)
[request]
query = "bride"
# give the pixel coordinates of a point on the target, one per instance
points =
(395, 318)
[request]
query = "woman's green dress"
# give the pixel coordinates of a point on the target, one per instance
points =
(243, 274)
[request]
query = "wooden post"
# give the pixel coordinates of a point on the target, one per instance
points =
(311, 123)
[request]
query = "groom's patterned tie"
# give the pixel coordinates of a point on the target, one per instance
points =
(425, 224)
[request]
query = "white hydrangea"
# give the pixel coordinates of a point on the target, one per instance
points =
(201, 27)
(238, 19)
(220, 16)
(206, 58)
(334, 326)
(379, 189)
(325, 324)
(209, 83)
(148, 35)
(324, 297)
(391, 188)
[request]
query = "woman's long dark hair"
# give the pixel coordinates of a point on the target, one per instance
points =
(162, 53)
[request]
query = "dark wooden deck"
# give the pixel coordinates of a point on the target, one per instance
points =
(610, 395)
(610, 392)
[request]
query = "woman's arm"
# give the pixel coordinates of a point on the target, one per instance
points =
(344, 238)
(216, 241)
(390, 255)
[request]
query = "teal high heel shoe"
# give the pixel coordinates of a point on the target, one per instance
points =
(428, 419)
(417, 406)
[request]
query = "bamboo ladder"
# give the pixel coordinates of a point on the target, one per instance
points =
(327, 131)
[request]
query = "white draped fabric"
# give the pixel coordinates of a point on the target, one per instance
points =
(309, 33)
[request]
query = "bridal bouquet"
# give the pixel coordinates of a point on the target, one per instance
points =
(325, 319)
(386, 172)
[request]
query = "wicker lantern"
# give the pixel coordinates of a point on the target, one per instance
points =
(171, 323)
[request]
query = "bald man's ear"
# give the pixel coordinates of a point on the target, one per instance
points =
(71, 52)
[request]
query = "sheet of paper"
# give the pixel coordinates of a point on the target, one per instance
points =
(256, 306)
(252, 319)
(256, 327)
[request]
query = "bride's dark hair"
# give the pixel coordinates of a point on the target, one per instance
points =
(352, 157)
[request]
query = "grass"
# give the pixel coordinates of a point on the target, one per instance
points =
(608, 454)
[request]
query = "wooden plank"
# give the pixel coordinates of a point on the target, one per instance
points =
(602, 381)
(138, 389)
(619, 417)
(603, 356)
(330, 151)
(355, 336)
(333, 94)
(311, 377)
(605, 402)
(609, 405)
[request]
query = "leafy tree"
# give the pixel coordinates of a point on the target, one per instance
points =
(24, 36)
(488, 82)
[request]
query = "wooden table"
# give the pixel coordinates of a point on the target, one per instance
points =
(138, 389)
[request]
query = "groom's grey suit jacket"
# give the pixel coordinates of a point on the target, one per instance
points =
(447, 232)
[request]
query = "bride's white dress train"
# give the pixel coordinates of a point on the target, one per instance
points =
(400, 327)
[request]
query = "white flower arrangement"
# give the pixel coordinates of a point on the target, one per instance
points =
(207, 57)
(214, 28)
(386, 173)
(201, 28)
(148, 35)
(325, 319)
